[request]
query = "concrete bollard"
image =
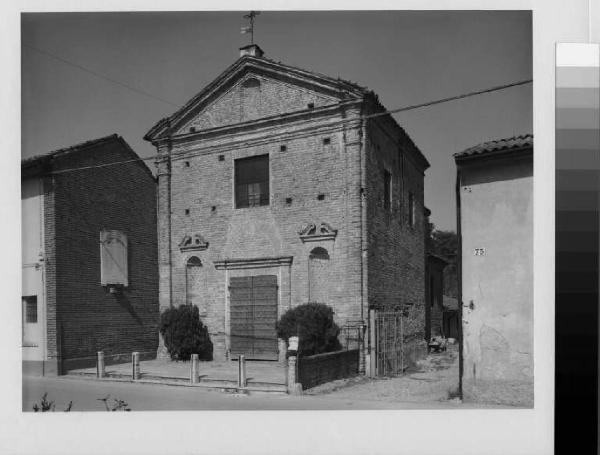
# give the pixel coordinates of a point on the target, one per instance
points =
(135, 363)
(194, 370)
(100, 371)
(241, 371)
(291, 374)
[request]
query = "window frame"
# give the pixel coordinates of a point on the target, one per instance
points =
(264, 198)
(27, 300)
(387, 190)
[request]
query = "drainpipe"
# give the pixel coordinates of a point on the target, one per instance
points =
(459, 279)
(163, 226)
(363, 215)
(169, 152)
(363, 240)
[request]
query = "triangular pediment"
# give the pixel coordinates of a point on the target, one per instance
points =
(255, 88)
(254, 97)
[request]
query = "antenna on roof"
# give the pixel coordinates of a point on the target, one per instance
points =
(250, 28)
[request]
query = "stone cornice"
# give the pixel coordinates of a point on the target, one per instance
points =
(241, 140)
(253, 263)
(299, 119)
(276, 120)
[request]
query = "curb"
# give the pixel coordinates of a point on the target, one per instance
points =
(210, 384)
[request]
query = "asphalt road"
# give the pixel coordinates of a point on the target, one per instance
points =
(153, 397)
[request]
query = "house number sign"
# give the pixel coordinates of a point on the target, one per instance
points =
(479, 251)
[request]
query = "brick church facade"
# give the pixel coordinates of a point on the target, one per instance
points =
(276, 188)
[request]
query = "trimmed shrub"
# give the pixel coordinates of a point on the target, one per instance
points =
(184, 334)
(313, 324)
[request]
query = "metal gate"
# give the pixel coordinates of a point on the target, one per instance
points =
(253, 315)
(389, 342)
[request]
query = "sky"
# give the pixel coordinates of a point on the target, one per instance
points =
(406, 57)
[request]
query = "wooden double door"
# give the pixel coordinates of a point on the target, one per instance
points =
(253, 317)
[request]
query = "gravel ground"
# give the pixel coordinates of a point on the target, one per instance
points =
(434, 379)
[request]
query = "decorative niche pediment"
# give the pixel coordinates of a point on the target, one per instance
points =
(313, 233)
(194, 242)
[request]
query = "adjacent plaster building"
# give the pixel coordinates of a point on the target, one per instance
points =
(90, 278)
(275, 189)
(495, 222)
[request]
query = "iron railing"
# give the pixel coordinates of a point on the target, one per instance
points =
(389, 342)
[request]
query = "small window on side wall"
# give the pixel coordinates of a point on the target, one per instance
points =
(387, 190)
(31, 309)
(411, 209)
(252, 181)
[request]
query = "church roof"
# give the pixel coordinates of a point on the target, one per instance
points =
(329, 87)
(340, 88)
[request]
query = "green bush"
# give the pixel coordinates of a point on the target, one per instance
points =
(313, 324)
(184, 334)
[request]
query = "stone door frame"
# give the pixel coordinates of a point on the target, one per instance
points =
(281, 266)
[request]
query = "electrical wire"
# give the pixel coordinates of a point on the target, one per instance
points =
(337, 122)
(340, 122)
(101, 76)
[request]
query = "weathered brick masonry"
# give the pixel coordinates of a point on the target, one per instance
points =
(325, 168)
(395, 246)
(82, 316)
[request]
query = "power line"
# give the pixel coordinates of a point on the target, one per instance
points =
(340, 122)
(452, 98)
(101, 76)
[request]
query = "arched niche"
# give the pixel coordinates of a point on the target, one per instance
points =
(195, 284)
(319, 281)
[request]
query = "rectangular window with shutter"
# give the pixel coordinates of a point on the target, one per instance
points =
(411, 209)
(252, 181)
(387, 190)
(113, 258)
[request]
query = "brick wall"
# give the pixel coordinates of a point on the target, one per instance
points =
(121, 197)
(396, 250)
(52, 340)
(330, 366)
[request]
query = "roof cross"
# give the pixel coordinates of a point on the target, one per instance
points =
(250, 28)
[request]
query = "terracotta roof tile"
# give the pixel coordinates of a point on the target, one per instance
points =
(501, 145)
(65, 150)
